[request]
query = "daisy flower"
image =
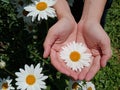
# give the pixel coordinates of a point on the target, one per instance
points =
(80, 85)
(42, 9)
(31, 78)
(75, 85)
(5, 84)
(89, 86)
(75, 56)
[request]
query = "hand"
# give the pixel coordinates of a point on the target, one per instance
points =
(80, 38)
(63, 32)
(99, 44)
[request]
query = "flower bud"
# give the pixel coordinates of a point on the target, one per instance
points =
(2, 64)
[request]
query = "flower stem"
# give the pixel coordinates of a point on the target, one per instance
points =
(39, 57)
(9, 72)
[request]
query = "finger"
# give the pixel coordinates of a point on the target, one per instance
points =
(106, 53)
(61, 66)
(46, 51)
(57, 64)
(52, 36)
(94, 68)
(84, 71)
(49, 41)
(74, 75)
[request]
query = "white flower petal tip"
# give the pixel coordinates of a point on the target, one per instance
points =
(75, 56)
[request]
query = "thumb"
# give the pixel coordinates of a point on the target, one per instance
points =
(49, 41)
(106, 53)
(105, 57)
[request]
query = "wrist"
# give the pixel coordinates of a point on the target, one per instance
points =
(89, 24)
(62, 9)
(93, 10)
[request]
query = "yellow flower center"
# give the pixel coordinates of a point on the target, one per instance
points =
(75, 86)
(74, 56)
(30, 79)
(5, 86)
(41, 6)
(89, 88)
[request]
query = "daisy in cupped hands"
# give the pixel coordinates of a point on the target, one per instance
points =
(75, 56)
(62, 36)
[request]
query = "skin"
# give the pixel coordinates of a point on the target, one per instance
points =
(95, 37)
(67, 30)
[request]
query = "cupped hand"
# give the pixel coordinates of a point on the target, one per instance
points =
(98, 43)
(60, 34)
(80, 39)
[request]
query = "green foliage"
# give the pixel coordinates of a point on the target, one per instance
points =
(19, 47)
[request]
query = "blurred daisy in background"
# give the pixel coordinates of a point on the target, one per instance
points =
(41, 9)
(80, 85)
(75, 56)
(31, 78)
(22, 13)
(89, 86)
(75, 85)
(16, 3)
(5, 84)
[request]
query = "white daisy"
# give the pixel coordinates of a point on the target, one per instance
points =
(5, 84)
(89, 86)
(2, 64)
(42, 9)
(75, 56)
(31, 78)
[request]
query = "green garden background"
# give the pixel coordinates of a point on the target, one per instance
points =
(19, 47)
